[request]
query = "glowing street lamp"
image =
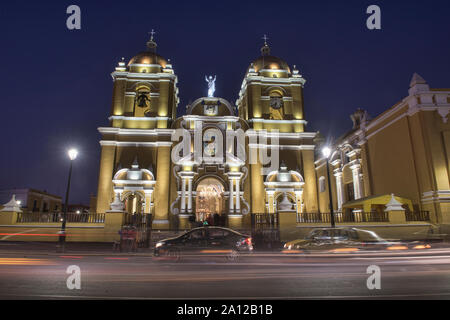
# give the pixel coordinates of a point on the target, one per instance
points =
(72, 153)
(326, 151)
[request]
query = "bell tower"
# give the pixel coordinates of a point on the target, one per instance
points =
(135, 156)
(271, 95)
(145, 93)
(271, 100)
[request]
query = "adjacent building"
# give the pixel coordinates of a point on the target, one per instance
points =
(405, 151)
(32, 200)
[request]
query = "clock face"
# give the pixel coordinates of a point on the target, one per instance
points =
(276, 102)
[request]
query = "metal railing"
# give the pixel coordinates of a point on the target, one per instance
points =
(265, 231)
(417, 216)
(264, 220)
(343, 217)
(34, 217)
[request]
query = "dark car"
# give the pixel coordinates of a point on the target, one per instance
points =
(348, 240)
(205, 240)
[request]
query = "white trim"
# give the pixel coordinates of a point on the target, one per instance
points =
(136, 132)
(282, 147)
(281, 135)
(274, 70)
(439, 196)
(134, 182)
(277, 121)
(135, 144)
(193, 117)
(138, 118)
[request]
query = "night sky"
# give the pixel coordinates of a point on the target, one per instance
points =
(56, 86)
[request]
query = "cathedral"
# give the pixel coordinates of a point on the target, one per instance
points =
(223, 162)
(218, 159)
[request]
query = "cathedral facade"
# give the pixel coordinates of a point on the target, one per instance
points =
(223, 162)
(218, 160)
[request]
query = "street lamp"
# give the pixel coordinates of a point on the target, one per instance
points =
(326, 151)
(72, 153)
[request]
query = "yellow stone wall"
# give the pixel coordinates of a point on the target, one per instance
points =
(104, 193)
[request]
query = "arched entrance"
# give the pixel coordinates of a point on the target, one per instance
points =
(134, 203)
(209, 202)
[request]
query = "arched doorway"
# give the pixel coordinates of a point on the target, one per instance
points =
(134, 203)
(209, 202)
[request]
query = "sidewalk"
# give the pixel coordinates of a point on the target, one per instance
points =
(78, 248)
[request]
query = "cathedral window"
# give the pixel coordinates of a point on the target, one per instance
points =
(350, 191)
(322, 184)
(276, 106)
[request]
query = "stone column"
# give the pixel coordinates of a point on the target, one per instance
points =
(105, 177)
(298, 201)
(310, 188)
(161, 219)
(270, 201)
(231, 204)
(238, 197)
(183, 195)
(339, 190)
(190, 195)
(357, 185)
(257, 187)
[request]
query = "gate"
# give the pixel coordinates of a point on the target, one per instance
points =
(142, 224)
(266, 231)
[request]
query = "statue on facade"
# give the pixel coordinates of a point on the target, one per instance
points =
(211, 85)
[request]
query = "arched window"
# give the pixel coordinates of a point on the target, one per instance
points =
(322, 184)
(276, 106)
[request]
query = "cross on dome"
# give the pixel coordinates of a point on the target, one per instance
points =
(265, 50)
(152, 33)
(151, 44)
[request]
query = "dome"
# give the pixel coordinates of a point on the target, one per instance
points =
(148, 57)
(270, 63)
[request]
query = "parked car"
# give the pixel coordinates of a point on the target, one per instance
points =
(348, 240)
(205, 240)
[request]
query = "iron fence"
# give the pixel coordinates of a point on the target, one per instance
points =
(36, 217)
(141, 226)
(340, 217)
(265, 231)
(417, 216)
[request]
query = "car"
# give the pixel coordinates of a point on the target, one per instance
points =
(205, 241)
(347, 240)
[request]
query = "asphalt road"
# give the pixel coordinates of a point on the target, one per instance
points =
(404, 275)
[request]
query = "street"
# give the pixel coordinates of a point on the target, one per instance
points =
(418, 274)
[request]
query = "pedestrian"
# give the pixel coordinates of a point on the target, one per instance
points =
(216, 219)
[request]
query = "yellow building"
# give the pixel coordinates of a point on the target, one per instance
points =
(221, 163)
(216, 160)
(32, 200)
(403, 151)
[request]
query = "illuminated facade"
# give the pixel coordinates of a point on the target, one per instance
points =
(138, 172)
(144, 169)
(405, 151)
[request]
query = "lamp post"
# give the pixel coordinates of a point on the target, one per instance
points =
(73, 153)
(326, 151)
